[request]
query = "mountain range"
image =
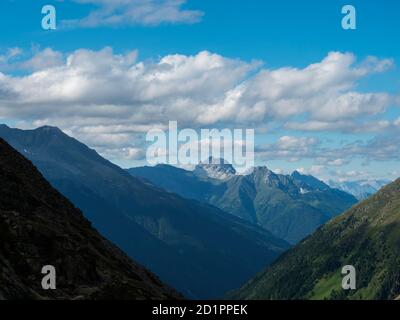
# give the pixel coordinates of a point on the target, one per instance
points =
(195, 247)
(40, 227)
(366, 237)
(289, 206)
(361, 189)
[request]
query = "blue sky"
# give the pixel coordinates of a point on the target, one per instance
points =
(280, 33)
(248, 37)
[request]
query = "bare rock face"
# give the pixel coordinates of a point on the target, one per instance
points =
(216, 169)
(38, 227)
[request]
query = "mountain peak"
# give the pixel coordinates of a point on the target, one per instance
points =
(309, 181)
(263, 171)
(296, 173)
(49, 129)
(40, 131)
(129, 210)
(215, 168)
(215, 161)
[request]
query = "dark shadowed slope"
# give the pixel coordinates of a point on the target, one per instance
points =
(367, 237)
(39, 227)
(198, 249)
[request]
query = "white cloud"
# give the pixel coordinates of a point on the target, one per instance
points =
(346, 126)
(279, 171)
(202, 89)
(105, 85)
(289, 148)
(125, 154)
(287, 143)
(374, 64)
(10, 54)
(8, 57)
(336, 162)
(350, 175)
(324, 91)
(45, 59)
(133, 12)
(315, 170)
(107, 99)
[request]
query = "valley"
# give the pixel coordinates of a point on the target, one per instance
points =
(201, 223)
(190, 245)
(291, 207)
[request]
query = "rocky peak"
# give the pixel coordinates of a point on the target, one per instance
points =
(215, 168)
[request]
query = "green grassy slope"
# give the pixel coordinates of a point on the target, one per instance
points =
(367, 237)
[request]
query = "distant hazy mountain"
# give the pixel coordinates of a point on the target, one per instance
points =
(366, 237)
(361, 189)
(198, 249)
(289, 206)
(39, 227)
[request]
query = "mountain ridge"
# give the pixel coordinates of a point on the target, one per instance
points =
(361, 189)
(366, 237)
(158, 229)
(289, 206)
(38, 226)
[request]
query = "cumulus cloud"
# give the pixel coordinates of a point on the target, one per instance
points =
(16, 59)
(107, 98)
(350, 175)
(10, 54)
(133, 12)
(381, 148)
(336, 162)
(343, 126)
(289, 148)
(384, 147)
(373, 63)
(101, 84)
(315, 170)
(324, 91)
(8, 57)
(43, 59)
